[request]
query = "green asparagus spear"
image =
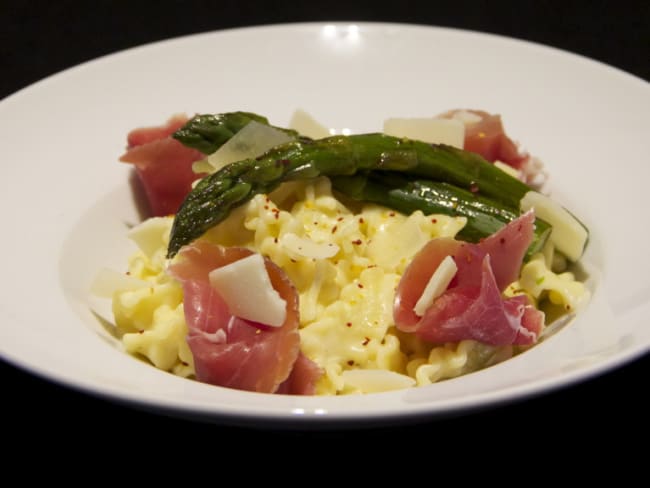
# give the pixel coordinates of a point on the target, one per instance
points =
(216, 195)
(207, 132)
(406, 195)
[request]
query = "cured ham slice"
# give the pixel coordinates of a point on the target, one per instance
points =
(163, 165)
(143, 135)
(485, 135)
(303, 377)
(472, 307)
(230, 351)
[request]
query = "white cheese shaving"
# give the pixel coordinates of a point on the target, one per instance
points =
(506, 168)
(432, 130)
(307, 125)
(149, 235)
(246, 288)
(108, 281)
(437, 285)
(305, 247)
(253, 140)
(388, 251)
(568, 235)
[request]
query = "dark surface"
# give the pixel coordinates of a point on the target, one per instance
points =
(41, 38)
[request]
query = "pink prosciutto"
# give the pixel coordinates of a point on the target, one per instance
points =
(487, 137)
(163, 165)
(472, 307)
(233, 352)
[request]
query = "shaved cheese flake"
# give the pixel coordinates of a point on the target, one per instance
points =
(151, 234)
(199, 167)
(429, 129)
(437, 285)
(304, 247)
(108, 281)
(246, 288)
(307, 125)
(250, 142)
(569, 236)
(376, 380)
(390, 252)
(506, 168)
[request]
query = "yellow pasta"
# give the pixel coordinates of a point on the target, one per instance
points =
(345, 264)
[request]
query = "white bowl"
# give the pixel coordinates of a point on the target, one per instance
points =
(68, 201)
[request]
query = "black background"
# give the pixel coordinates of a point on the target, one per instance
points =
(40, 38)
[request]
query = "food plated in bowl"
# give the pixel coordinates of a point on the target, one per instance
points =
(289, 260)
(74, 229)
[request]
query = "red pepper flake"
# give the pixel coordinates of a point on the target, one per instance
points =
(371, 266)
(334, 229)
(392, 214)
(435, 221)
(348, 324)
(502, 240)
(315, 223)
(266, 207)
(365, 342)
(357, 242)
(184, 363)
(293, 260)
(141, 332)
(473, 187)
(128, 273)
(275, 239)
(359, 285)
(339, 219)
(361, 221)
(350, 362)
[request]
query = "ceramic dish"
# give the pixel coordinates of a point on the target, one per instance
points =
(68, 201)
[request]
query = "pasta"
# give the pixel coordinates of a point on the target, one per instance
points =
(346, 280)
(316, 287)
